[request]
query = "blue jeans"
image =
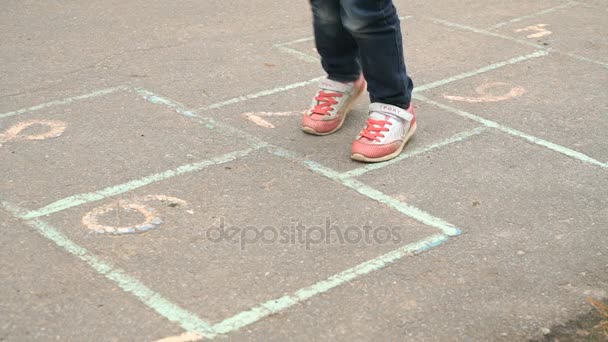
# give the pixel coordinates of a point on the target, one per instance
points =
(363, 35)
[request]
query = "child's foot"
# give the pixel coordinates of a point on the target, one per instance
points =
(387, 131)
(330, 106)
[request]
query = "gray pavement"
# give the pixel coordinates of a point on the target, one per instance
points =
(155, 184)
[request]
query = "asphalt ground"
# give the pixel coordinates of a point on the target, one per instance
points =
(155, 184)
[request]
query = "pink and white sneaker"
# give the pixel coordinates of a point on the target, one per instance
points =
(387, 130)
(330, 106)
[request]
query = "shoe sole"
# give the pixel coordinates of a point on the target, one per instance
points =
(347, 106)
(362, 158)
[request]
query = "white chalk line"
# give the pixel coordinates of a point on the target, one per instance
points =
(530, 138)
(534, 15)
(487, 68)
(260, 94)
(298, 54)
(481, 31)
(68, 100)
(579, 57)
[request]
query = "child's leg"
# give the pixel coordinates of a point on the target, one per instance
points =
(374, 25)
(338, 50)
(339, 57)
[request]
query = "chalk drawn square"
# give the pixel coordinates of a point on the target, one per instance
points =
(282, 117)
(580, 34)
(182, 260)
(92, 143)
(509, 194)
(533, 103)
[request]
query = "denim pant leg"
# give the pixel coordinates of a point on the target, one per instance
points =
(338, 49)
(374, 25)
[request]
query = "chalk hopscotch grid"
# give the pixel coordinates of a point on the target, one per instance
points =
(245, 317)
(94, 94)
(251, 316)
(259, 312)
(274, 306)
(187, 320)
(541, 52)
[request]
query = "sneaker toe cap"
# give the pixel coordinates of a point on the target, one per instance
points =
(320, 126)
(369, 150)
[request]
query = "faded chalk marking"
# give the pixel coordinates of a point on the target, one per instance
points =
(77, 200)
(537, 14)
(491, 67)
(539, 30)
(151, 217)
(261, 94)
(297, 41)
(298, 54)
(274, 306)
(64, 101)
(256, 117)
(55, 129)
(462, 136)
(187, 320)
(185, 337)
(535, 140)
(485, 96)
(481, 31)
